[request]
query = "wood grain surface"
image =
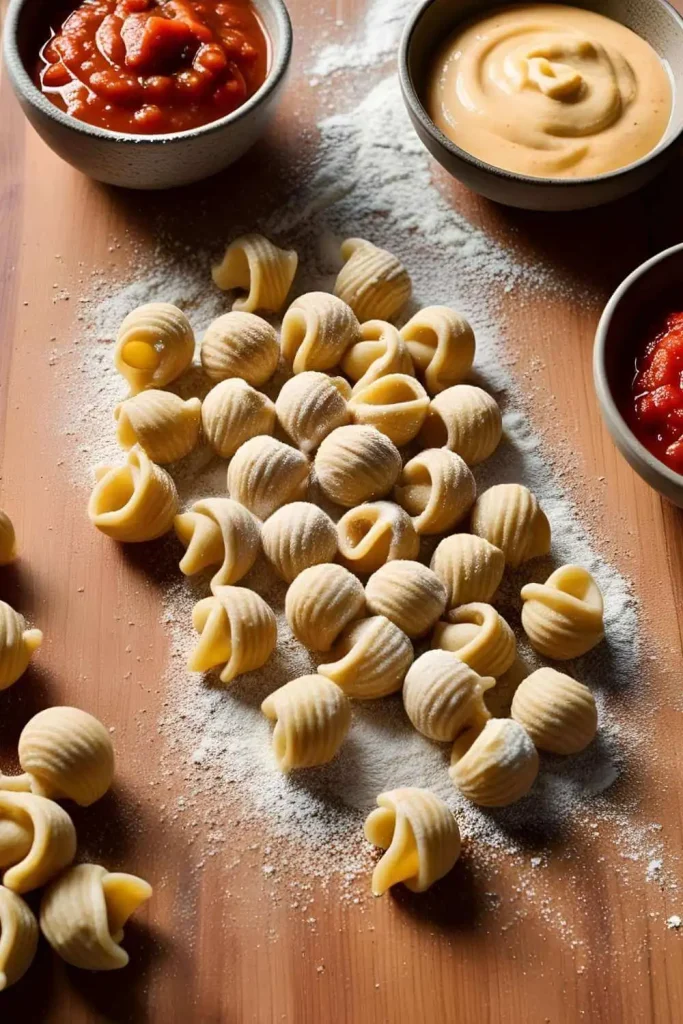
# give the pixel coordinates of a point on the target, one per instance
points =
(210, 948)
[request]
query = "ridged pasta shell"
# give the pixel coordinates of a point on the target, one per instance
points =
(312, 717)
(253, 264)
(441, 344)
(265, 474)
(396, 404)
(375, 533)
(165, 426)
(218, 531)
(373, 281)
(421, 837)
(320, 602)
(437, 489)
(316, 331)
(442, 696)
(563, 616)
(237, 630)
(371, 659)
(18, 938)
(509, 517)
(469, 567)
(356, 464)
(466, 420)
(311, 405)
(233, 412)
(134, 502)
(379, 351)
(8, 542)
(494, 767)
(154, 346)
(298, 536)
(558, 712)
(476, 634)
(240, 345)
(408, 593)
(17, 644)
(37, 840)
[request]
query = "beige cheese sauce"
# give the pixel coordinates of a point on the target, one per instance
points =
(550, 91)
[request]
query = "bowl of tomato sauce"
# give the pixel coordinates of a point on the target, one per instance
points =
(148, 94)
(638, 371)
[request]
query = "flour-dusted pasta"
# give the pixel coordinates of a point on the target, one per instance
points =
(442, 696)
(240, 345)
(237, 630)
(165, 426)
(420, 835)
(469, 567)
(298, 536)
(265, 474)
(437, 488)
(17, 644)
(154, 345)
(509, 517)
(37, 840)
(18, 938)
(356, 464)
(254, 265)
(441, 344)
(320, 602)
(494, 767)
(234, 411)
(476, 634)
(408, 593)
(317, 329)
(312, 717)
(396, 404)
(379, 351)
(8, 540)
(466, 420)
(218, 531)
(371, 659)
(558, 712)
(563, 616)
(373, 281)
(83, 913)
(134, 502)
(311, 405)
(375, 533)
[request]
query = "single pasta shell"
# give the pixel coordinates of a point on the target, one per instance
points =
(218, 531)
(356, 464)
(437, 489)
(17, 644)
(441, 344)
(375, 533)
(380, 351)
(154, 346)
(265, 474)
(232, 413)
(18, 938)
(408, 593)
(240, 345)
(165, 426)
(49, 840)
(496, 766)
(311, 405)
(466, 420)
(509, 517)
(558, 712)
(8, 541)
(320, 602)
(298, 536)
(372, 281)
(134, 502)
(396, 404)
(371, 659)
(476, 634)
(469, 567)
(237, 629)
(255, 265)
(317, 329)
(442, 696)
(563, 617)
(312, 717)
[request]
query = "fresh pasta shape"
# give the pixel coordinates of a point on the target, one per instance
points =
(378, 352)
(496, 766)
(232, 413)
(154, 345)
(83, 913)
(8, 541)
(441, 344)
(134, 502)
(320, 602)
(254, 265)
(165, 427)
(265, 474)
(375, 533)
(396, 404)
(442, 696)
(312, 717)
(437, 488)
(563, 616)
(237, 630)
(356, 464)
(469, 567)
(466, 420)
(476, 634)
(311, 405)
(372, 281)
(558, 712)
(17, 644)
(218, 531)
(420, 835)
(408, 593)
(240, 345)
(37, 840)
(371, 659)
(317, 329)
(18, 938)
(298, 536)
(509, 517)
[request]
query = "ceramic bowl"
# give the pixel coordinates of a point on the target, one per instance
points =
(655, 20)
(145, 161)
(643, 294)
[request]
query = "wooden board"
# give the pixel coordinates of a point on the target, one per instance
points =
(199, 954)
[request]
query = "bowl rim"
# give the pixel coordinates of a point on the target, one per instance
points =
(23, 84)
(610, 409)
(413, 100)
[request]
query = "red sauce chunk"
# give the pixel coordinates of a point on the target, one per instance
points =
(655, 411)
(153, 67)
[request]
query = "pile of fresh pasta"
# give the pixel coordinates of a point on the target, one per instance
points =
(378, 423)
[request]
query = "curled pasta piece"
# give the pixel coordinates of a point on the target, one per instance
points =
(240, 345)
(371, 659)
(218, 531)
(469, 567)
(154, 345)
(437, 489)
(476, 634)
(563, 616)
(509, 517)
(18, 938)
(17, 644)
(254, 265)
(373, 281)
(375, 533)
(8, 541)
(37, 840)
(408, 593)
(317, 329)
(320, 602)
(83, 913)
(232, 413)
(312, 717)
(441, 344)
(466, 420)
(237, 630)
(165, 426)
(396, 404)
(134, 502)
(442, 696)
(494, 767)
(298, 536)
(379, 352)
(356, 464)
(558, 712)
(265, 474)
(311, 405)
(420, 835)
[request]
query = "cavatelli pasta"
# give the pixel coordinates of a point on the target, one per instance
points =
(298, 536)
(317, 329)
(437, 489)
(371, 659)
(237, 630)
(356, 464)
(218, 531)
(509, 516)
(494, 767)
(232, 412)
(154, 345)
(378, 352)
(373, 281)
(476, 634)
(408, 593)
(8, 541)
(469, 567)
(442, 696)
(17, 644)
(134, 502)
(466, 420)
(311, 405)
(165, 426)
(320, 602)
(254, 265)
(441, 344)
(375, 533)
(240, 345)
(18, 938)
(37, 840)
(265, 474)
(312, 717)
(563, 616)
(396, 404)
(558, 712)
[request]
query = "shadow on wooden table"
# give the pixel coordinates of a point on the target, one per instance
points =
(454, 903)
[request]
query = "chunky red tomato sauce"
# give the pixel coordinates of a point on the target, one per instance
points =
(153, 67)
(655, 410)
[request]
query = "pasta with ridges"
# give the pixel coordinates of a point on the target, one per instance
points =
(17, 644)
(312, 718)
(478, 635)
(233, 412)
(253, 264)
(408, 593)
(356, 464)
(437, 488)
(442, 696)
(558, 712)
(311, 405)
(373, 281)
(154, 346)
(18, 938)
(470, 568)
(237, 630)
(441, 345)
(218, 531)
(509, 517)
(320, 602)
(265, 474)
(375, 533)
(240, 345)
(317, 329)
(371, 656)
(379, 351)
(466, 420)
(496, 766)
(298, 536)
(563, 616)
(165, 426)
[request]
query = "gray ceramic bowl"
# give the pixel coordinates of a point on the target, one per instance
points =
(654, 20)
(145, 161)
(642, 294)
